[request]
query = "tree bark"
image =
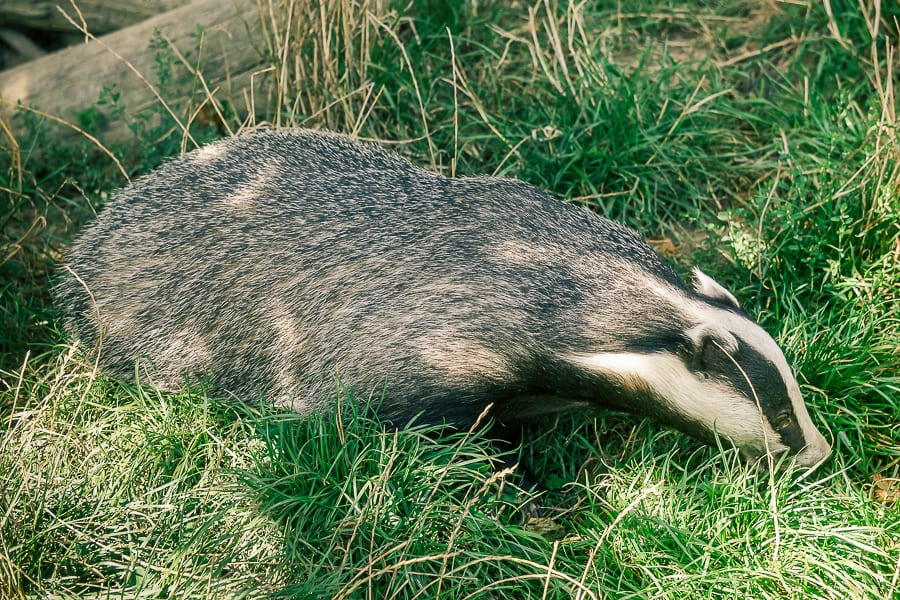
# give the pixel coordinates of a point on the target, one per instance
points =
(229, 58)
(101, 16)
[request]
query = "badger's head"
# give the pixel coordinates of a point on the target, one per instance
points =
(719, 374)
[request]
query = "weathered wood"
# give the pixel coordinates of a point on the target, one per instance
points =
(67, 82)
(102, 16)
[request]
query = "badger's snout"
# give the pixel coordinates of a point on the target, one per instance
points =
(800, 443)
(811, 457)
(816, 453)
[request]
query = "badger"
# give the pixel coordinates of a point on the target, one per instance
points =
(269, 262)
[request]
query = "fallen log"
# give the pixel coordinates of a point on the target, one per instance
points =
(101, 16)
(182, 71)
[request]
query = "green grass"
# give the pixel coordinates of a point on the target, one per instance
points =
(760, 139)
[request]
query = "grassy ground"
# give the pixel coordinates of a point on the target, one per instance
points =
(756, 139)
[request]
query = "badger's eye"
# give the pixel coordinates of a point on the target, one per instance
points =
(783, 420)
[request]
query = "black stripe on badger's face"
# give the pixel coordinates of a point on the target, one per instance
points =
(777, 393)
(744, 365)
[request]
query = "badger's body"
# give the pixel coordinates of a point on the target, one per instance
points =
(268, 262)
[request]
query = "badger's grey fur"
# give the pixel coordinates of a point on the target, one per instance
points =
(259, 262)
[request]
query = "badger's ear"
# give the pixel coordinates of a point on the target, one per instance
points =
(712, 289)
(704, 335)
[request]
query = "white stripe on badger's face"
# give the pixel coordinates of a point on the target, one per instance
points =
(708, 402)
